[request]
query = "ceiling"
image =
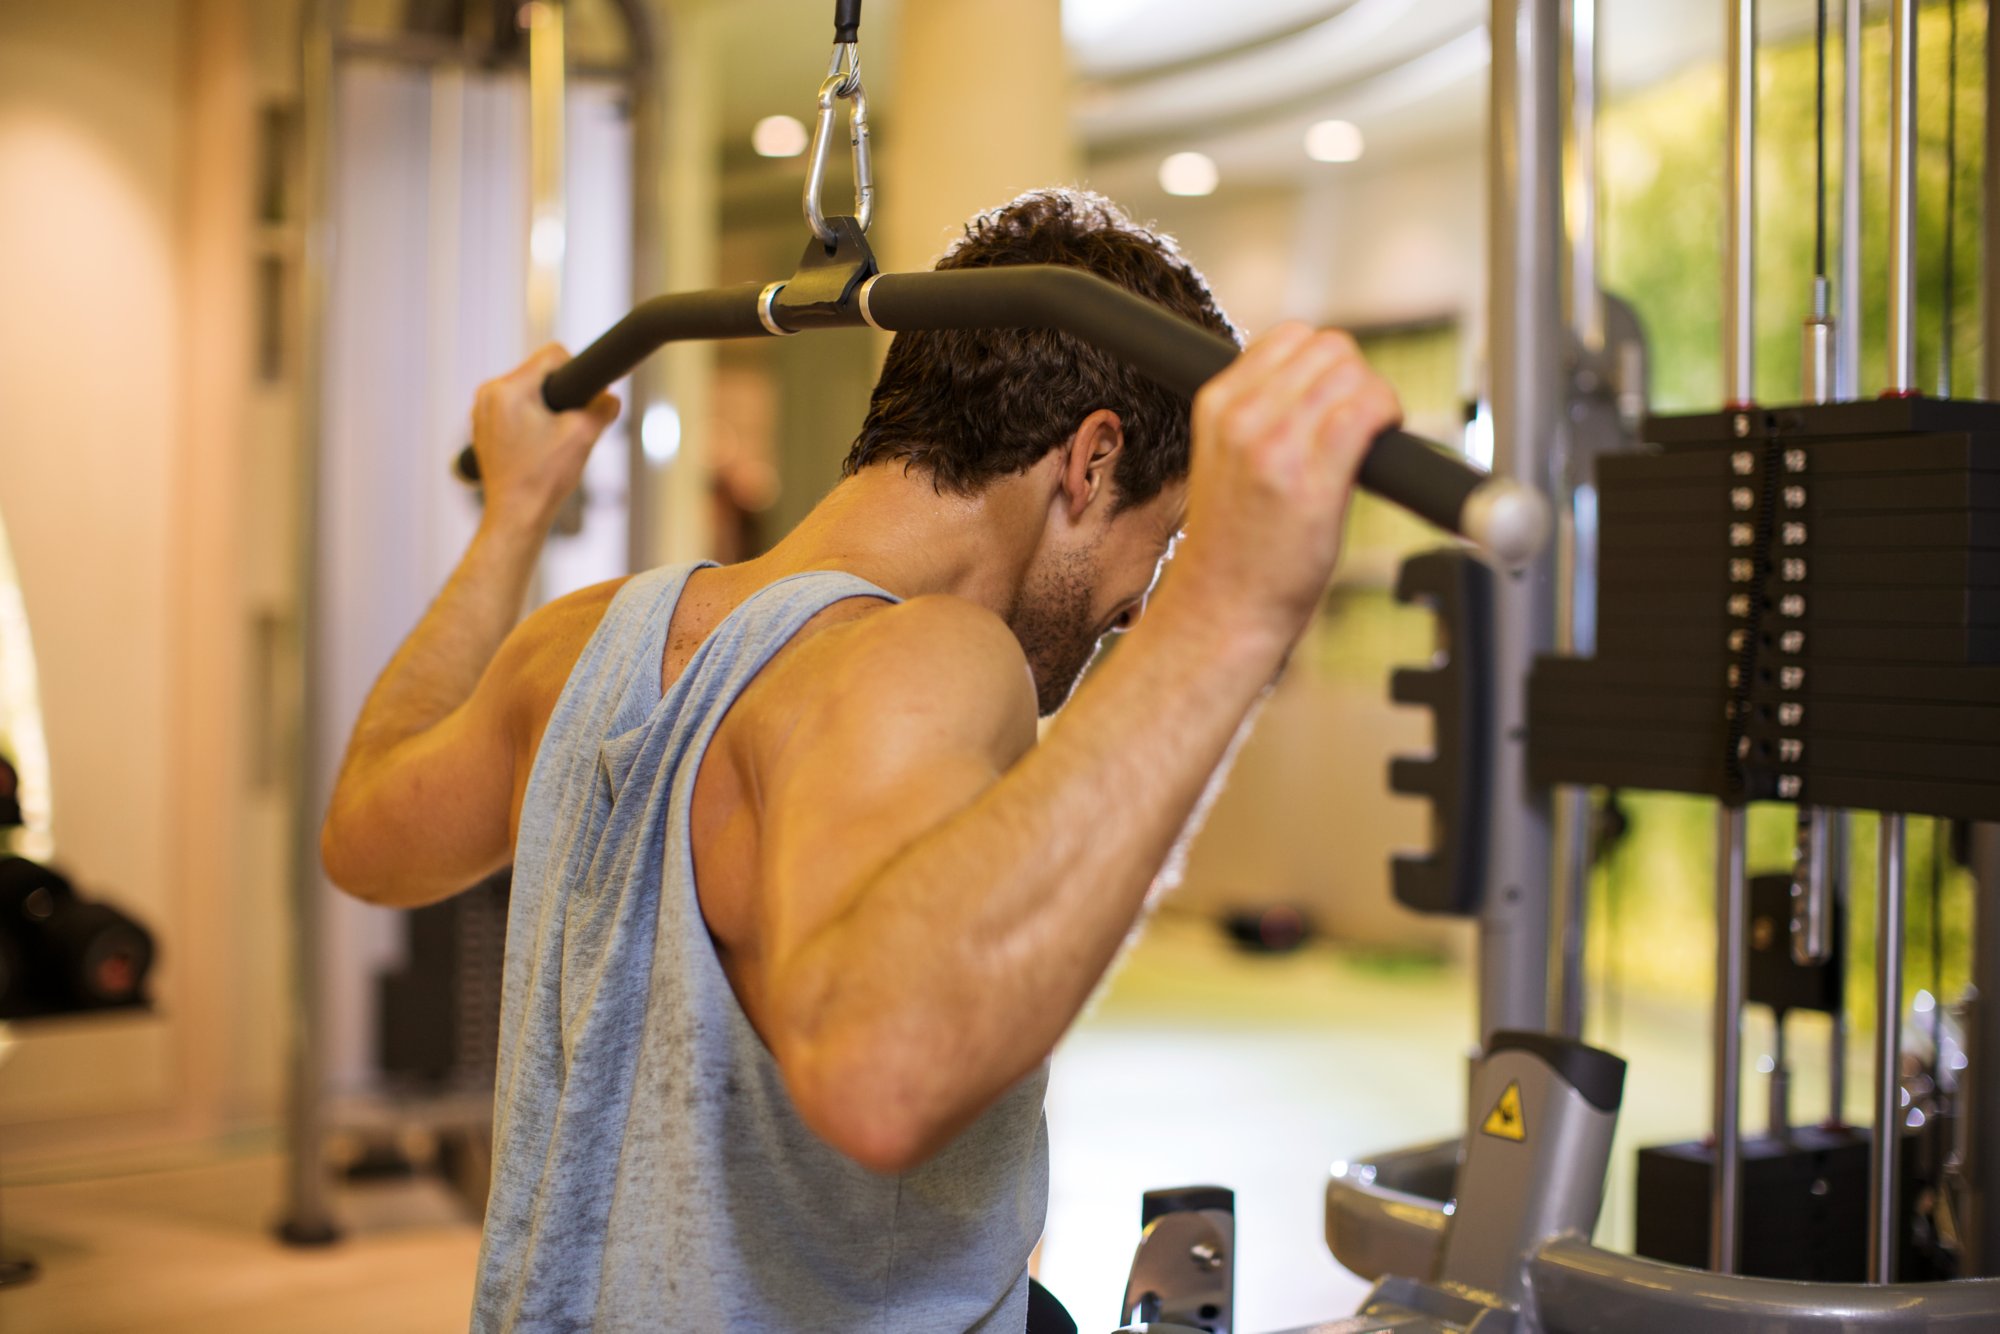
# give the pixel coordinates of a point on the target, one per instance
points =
(1240, 81)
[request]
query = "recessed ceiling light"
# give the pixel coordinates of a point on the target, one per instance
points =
(1334, 141)
(779, 136)
(1189, 174)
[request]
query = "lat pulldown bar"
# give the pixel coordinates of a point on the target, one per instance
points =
(1506, 519)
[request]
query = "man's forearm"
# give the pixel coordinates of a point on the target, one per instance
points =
(440, 662)
(981, 942)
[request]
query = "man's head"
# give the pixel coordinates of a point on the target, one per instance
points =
(1104, 449)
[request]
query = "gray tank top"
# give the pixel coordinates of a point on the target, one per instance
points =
(649, 1171)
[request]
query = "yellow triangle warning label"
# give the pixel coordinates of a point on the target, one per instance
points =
(1505, 1120)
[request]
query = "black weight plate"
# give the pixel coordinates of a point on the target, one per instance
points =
(1612, 709)
(1858, 567)
(1912, 682)
(1909, 493)
(1624, 771)
(1690, 745)
(1818, 642)
(1896, 418)
(1932, 761)
(1957, 801)
(1876, 607)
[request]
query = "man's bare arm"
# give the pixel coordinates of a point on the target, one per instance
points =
(422, 803)
(938, 923)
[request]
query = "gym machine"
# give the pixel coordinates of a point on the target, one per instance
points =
(457, 142)
(838, 285)
(1794, 604)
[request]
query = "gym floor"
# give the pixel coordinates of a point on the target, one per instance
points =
(1198, 1064)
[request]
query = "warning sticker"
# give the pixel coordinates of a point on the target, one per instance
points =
(1505, 1120)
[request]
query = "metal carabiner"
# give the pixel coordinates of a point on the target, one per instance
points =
(843, 83)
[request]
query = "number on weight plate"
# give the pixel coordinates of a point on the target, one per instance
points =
(1741, 570)
(1742, 462)
(1793, 570)
(1791, 750)
(1739, 604)
(1795, 497)
(1789, 786)
(1741, 534)
(1742, 498)
(1791, 678)
(1792, 605)
(1792, 641)
(1791, 715)
(1795, 460)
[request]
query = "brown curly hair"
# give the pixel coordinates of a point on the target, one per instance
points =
(972, 405)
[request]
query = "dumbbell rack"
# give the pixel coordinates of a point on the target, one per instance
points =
(1798, 604)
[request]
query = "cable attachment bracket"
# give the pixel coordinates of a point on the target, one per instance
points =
(842, 84)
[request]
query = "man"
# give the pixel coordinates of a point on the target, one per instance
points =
(800, 907)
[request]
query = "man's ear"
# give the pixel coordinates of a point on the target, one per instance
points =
(1089, 457)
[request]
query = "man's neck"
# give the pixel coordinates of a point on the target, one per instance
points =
(899, 532)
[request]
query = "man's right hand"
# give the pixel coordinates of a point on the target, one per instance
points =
(530, 458)
(1278, 438)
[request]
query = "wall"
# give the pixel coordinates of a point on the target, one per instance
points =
(124, 160)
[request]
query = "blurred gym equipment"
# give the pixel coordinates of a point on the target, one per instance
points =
(61, 955)
(448, 149)
(1792, 604)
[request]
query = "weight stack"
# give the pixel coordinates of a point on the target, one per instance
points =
(1798, 604)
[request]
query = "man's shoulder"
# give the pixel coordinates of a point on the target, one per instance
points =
(534, 663)
(932, 658)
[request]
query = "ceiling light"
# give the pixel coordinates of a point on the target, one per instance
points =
(779, 136)
(1334, 141)
(1189, 174)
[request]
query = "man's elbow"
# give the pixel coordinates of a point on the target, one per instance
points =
(862, 1109)
(346, 863)
(337, 858)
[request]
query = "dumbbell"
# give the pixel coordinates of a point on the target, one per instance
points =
(10, 794)
(71, 954)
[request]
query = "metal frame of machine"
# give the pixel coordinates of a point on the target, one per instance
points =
(1520, 1259)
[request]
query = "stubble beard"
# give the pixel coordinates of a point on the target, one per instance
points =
(1052, 621)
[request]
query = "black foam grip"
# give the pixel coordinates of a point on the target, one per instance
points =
(679, 317)
(846, 20)
(1429, 481)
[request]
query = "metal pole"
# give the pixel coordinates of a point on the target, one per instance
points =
(1902, 370)
(1731, 892)
(648, 276)
(1779, 1108)
(1739, 263)
(1732, 912)
(308, 1218)
(1586, 303)
(1575, 633)
(1524, 345)
(548, 229)
(1842, 885)
(1847, 325)
(1979, 1089)
(1884, 1212)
